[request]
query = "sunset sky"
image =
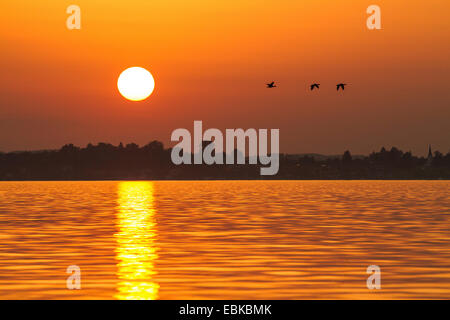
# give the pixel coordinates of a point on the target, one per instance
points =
(211, 60)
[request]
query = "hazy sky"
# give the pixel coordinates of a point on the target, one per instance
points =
(211, 59)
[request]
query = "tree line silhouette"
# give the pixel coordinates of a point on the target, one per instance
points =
(152, 161)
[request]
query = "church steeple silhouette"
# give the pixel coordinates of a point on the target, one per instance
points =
(430, 157)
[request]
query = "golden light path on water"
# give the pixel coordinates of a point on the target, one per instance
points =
(136, 251)
(225, 239)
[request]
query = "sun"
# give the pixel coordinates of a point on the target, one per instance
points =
(136, 84)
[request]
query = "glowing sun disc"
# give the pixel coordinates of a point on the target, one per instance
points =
(136, 84)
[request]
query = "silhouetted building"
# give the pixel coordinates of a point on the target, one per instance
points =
(429, 158)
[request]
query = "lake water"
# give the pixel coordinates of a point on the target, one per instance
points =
(225, 239)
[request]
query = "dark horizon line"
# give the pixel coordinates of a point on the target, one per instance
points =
(153, 162)
(135, 145)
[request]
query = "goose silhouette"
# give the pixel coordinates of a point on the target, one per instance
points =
(340, 85)
(315, 85)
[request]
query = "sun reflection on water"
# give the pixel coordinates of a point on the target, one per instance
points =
(136, 250)
(225, 239)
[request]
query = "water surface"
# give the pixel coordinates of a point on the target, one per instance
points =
(225, 239)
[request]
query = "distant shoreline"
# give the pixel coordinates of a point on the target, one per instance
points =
(106, 162)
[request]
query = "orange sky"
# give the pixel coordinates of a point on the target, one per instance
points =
(211, 59)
